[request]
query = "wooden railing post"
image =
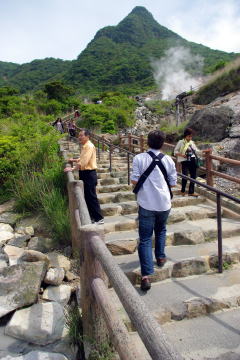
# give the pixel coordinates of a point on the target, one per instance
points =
(141, 143)
(129, 142)
(120, 140)
(208, 154)
(95, 331)
(103, 146)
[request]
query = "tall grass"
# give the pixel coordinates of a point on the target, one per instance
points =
(40, 188)
(224, 81)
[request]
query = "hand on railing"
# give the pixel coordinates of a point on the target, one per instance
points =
(67, 169)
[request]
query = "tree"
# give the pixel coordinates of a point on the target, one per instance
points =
(57, 90)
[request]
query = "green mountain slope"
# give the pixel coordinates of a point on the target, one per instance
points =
(119, 56)
(31, 75)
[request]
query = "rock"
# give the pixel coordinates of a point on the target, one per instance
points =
(9, 218)
(60, 294)
(32, 256)
(14, 253)
(68, 251)
(20, 285)
(37, 222)
(41, 244)
(3, 261)
(189, 237)
(6, 227)
(19, 240)
(27, 230)
(190, 267)
(7, 206)
(70, 276)
(39, 324)
(122, 247)
(59, 261)
(212, 123)
(54, 276)
(5, 236)
(37, 355)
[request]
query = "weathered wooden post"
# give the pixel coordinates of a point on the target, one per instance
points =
(130, 142)
(141, 143)
(208, 158)
(95, 331)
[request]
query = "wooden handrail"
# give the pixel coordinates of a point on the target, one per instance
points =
(99, 314)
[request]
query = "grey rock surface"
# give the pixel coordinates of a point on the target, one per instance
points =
(41, 323)
(212, 123)
(41, 244)
(19, 285)
(54, 276)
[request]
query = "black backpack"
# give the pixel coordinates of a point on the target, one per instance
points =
(157, 161)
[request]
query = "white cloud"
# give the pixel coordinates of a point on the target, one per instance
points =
(33, 29)
(214, 24)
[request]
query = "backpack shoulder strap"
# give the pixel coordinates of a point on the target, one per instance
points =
(146, 173)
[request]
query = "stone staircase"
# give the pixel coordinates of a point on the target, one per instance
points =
(187, 294)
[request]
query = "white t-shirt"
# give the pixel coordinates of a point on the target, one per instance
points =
(154, 194)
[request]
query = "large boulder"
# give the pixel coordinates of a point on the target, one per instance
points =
(37, 355)
(60, 294)
(9, 218)
(38, 324)
(41, 244)
(19, 285)
(212, 123)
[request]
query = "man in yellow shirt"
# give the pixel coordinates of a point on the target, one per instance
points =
(87, 165)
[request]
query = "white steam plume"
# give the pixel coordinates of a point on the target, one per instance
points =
(170, 72)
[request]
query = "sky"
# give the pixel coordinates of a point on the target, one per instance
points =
(36, 29)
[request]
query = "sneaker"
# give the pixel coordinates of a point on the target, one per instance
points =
(183, 193)
(99, 222)
(145, 284)
(161, 262)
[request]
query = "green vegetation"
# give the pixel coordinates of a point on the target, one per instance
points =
(33, 75)
(173, 129)
(159, 107)
(74, 325)
(31, 170)
(75, 333)
(118, 58)
(224, 82)
(115, 112)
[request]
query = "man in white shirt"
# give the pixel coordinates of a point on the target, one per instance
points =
(154, 202)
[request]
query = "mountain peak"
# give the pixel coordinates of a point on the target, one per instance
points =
(140, 10)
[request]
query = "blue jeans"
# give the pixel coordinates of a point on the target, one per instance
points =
(150, 221)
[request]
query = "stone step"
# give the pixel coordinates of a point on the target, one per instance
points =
(114, 174)
(116, 197)
(108, 181)
(178, 213)
(182, 261)
(187, 298)
(211, 337)
(114, 162)
(113, 188)
(188, 232)
(116, 168)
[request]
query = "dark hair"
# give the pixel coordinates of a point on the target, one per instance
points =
(187, 131)
(156, 139)
(86, 132)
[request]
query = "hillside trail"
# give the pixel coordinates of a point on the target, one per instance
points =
(188, 295)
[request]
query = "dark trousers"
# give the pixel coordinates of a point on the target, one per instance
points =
(89, 178)
(189, 167)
